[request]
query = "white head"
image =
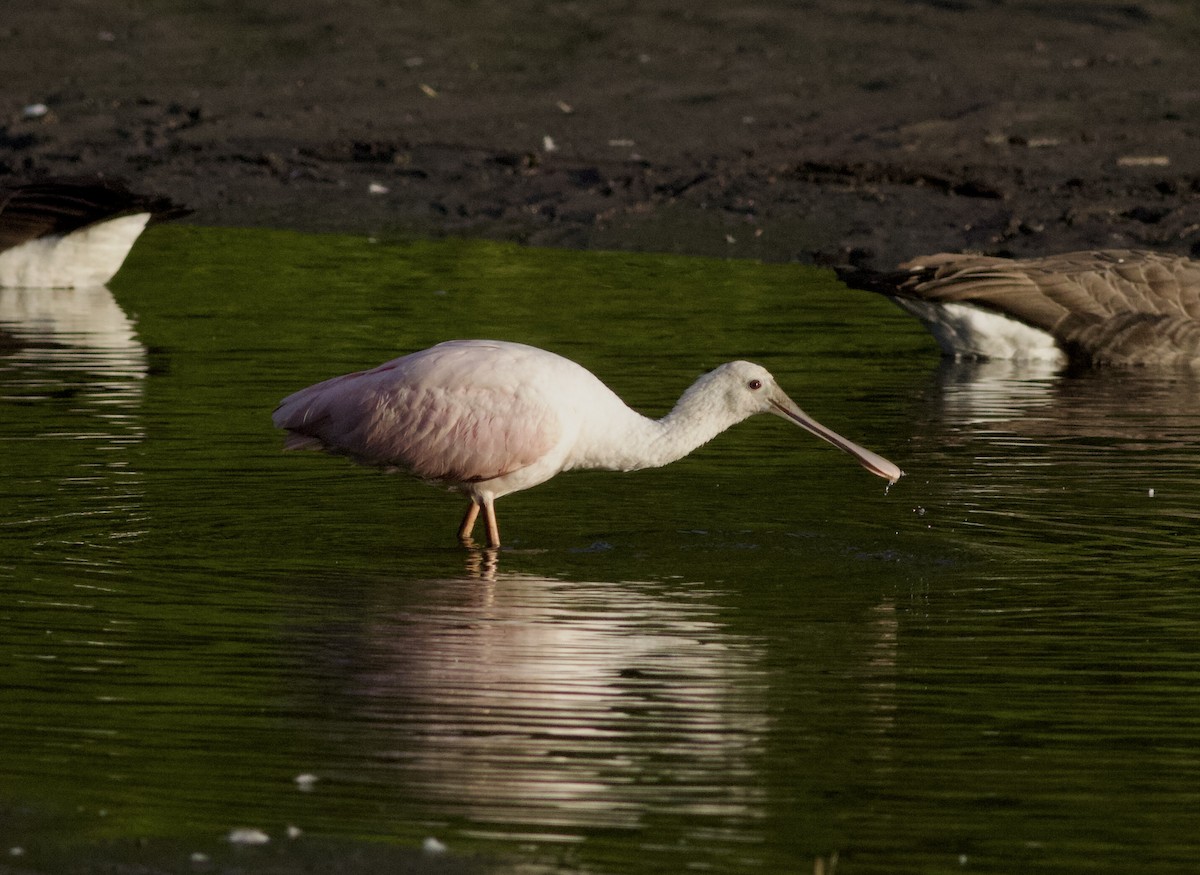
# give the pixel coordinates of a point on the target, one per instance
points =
(738, 390)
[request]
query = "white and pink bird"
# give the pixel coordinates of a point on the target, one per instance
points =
(485, 418)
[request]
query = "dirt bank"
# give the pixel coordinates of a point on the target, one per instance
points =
(779, 130)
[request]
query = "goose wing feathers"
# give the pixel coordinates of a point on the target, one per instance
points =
(1109, 306)
(58, 207)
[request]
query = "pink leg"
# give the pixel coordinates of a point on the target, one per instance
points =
(493, 528)
(468, 523)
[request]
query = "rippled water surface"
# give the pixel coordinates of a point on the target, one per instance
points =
(755, 660)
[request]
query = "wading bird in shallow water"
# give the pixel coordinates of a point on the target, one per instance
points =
(1103, 307)
(67, 234)
(487, 417)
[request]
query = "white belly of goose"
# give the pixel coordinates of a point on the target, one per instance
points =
(967, 331)
(87, 257)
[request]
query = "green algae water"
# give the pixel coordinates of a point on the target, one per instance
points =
(758, 659)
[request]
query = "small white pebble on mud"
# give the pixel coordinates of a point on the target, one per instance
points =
(565, 107)
(428, 90)
(248, 836)
(306, 781)
(548, 144)
(198, 858)
(1151, 493)
(17, 851)
(35, 110)
(294, 832)
(377, 188)
(1143, 161)
(433, 846)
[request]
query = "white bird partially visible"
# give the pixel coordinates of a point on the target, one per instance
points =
(487, 417)
(1099, 307)
(72, 233)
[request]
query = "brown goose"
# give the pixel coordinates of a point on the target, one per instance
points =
(71, 233)
(1101, 307)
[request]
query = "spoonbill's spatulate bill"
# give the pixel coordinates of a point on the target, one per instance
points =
(487, 417)
(1102, 307)
(72, 233)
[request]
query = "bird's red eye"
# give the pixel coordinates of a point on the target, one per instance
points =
(755, 385)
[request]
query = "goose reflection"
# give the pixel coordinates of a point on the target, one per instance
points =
(1100, 460)
(546, 705)
(1151, 408)
(81, 332)
(72, 380)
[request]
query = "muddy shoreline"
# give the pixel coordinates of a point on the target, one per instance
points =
(817, 132)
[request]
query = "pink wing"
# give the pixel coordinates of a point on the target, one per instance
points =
(441, 418)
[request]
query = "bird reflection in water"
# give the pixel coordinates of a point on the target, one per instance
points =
(73, 361)
(482, 563)
(525, 708)
(532, 705)
(1088, 456)
(73, 334)
(1139, 408)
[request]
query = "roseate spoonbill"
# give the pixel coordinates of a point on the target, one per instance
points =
(1103, 307)
(72, 233)
(488, 417)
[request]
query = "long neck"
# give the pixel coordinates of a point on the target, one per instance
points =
(630, 441)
